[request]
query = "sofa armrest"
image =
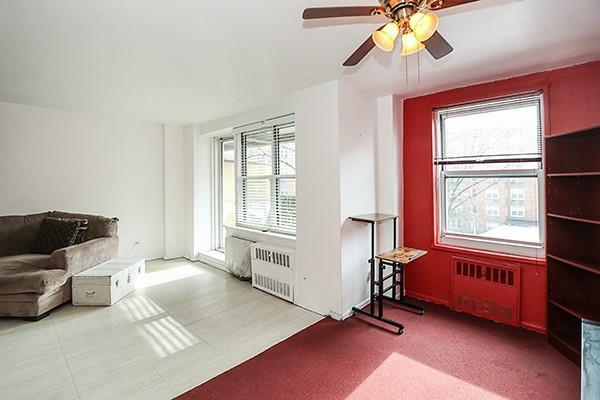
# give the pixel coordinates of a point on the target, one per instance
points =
(78, 258)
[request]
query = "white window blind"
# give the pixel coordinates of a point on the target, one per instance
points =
(499, 132)
(266, 176)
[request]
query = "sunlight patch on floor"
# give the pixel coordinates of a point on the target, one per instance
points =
(139, 308)
(403, 377)
(166, 336)
(172, 274)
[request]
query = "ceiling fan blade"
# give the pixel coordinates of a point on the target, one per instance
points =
(437, 46)
(448, 3)
(361, 52)
(335, 12)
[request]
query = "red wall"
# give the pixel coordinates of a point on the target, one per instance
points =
(572, 102)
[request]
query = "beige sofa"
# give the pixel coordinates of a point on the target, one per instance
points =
(33, 284)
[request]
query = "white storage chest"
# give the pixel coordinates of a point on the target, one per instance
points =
(107, 283)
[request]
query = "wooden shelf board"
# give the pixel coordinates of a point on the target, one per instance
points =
(587, 265)
(569, 135)
(568, 349)
(576, 310)
(576, 219)
(570, 340)
(575, 174)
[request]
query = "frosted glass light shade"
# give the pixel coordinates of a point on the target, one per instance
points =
(410, 44)
(385, 38)
(424, 25)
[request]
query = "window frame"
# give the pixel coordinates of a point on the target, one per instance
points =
(274, 178)
(441, 175)
(219, 227)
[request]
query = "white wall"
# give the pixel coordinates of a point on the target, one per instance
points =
(60, 160)
(202, 189)
(357, 134)
(388, 158)
(318, 257)
(174, 215)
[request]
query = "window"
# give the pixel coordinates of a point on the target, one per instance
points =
(517, 212)
(266, 177)
(492, 194)
(226, 187)
(492, 211)
(517, 194)
(486, 151)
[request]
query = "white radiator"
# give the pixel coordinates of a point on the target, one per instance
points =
(273, 270)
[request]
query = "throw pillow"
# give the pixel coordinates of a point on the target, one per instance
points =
(82, 231)
(56, 233)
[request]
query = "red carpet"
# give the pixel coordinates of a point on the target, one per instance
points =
(442, 355)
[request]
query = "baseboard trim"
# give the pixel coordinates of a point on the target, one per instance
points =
(533, 327)
(350, 312)
(525, 325)
(427, 298)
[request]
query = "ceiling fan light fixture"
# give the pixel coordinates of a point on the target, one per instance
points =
(386, 36)
(410, 44)
(424, 25)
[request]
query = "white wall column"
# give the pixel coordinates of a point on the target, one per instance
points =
(388, 156)
(358, 126)
(174, 217)
(318, 258)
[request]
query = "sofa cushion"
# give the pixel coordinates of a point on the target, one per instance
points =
(27, 273)
(56, 233)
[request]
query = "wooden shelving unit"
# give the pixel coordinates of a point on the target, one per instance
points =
(573, 236)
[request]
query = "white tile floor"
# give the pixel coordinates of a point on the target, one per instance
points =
(190, 323)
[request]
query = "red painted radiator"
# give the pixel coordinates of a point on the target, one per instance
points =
(488, 289)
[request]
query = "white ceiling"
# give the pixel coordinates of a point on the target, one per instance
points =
(198, 60)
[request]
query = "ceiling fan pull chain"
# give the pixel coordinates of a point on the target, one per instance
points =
(406, 70)
(419, 67)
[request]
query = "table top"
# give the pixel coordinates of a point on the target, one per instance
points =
(401, 255)
(373, 218)
(109, 268)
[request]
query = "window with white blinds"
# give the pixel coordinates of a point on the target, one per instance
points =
(266, 176)
(489, 164)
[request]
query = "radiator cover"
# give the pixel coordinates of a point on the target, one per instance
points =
(488, 289)
(273, 270)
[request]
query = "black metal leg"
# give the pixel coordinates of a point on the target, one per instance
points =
(382, 319)
(372, 262)
(380, 290)
(395, 244)
(401, 302)
(395, 223)
(401, 268)
(394, 282)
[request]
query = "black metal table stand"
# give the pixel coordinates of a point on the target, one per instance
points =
(398, 298)
(377, 286)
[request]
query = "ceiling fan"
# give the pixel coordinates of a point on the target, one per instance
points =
(410, 18)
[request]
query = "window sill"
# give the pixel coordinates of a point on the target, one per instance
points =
(213, 258)
(259, 236)
(451, 248)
